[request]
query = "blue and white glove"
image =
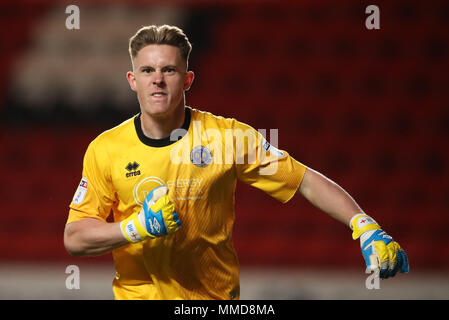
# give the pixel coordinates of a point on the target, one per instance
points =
(158, 213)
(157, 218)
(379, 250)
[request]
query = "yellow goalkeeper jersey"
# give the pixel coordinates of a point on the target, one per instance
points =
(200, 163)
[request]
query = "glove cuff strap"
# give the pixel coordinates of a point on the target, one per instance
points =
(132, 229)
(361, 223)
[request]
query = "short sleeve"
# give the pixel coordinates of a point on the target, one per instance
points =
(265, 167)
(94, 195)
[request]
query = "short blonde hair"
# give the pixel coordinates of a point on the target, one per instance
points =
(163, 34)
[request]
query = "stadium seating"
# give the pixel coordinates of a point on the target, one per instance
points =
(366, 108)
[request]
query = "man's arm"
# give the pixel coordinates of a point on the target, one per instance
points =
(379, 250)
(328, 196)
(91, 237)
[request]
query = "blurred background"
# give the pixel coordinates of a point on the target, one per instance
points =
(367, 108)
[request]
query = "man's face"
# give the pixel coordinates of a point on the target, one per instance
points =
(160, 78)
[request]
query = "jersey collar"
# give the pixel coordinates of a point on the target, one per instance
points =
(164, 141)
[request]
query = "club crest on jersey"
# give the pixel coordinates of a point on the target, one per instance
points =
(132, 169)
(201, 156)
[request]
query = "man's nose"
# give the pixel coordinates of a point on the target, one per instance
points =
(158, 78)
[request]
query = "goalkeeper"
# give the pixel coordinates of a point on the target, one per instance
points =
(165, 180)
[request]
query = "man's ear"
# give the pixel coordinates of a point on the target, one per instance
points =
(188, 80)
(131, 80)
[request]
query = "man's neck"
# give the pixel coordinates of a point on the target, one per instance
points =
(162, 127)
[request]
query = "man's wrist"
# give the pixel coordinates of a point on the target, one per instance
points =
(132, 229)
(355, 217)
(361, 223)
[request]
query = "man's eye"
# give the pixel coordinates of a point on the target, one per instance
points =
(147, 70)
(170, 70)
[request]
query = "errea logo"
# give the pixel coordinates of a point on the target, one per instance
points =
(132, 169)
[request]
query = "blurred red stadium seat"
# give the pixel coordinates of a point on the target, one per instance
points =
(368, 109)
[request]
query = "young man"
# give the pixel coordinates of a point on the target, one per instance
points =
(168, 175)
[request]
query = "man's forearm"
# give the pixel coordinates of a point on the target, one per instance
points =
(92, 237)
(328, 196)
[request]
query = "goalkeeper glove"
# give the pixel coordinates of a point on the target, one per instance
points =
(379, 250)
(157, 218)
